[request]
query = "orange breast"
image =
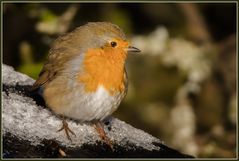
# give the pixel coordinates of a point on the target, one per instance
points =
(104, 67)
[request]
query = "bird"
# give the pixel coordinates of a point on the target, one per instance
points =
(84, 77)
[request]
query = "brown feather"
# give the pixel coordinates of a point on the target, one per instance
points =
(43, 78)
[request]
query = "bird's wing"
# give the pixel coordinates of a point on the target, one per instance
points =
(45, 76)
(50, 68)
(58, 56)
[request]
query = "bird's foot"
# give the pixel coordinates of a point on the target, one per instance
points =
(100, 130)
(67, 129)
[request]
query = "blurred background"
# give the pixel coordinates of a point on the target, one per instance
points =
(182, 86)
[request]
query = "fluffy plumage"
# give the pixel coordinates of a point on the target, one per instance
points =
(84, 77)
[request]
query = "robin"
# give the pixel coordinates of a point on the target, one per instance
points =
(84, 77)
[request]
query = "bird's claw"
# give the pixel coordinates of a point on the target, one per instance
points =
(67, 129)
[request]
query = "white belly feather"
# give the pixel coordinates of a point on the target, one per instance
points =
(91, 106)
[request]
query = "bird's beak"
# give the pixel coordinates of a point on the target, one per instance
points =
(132, 49)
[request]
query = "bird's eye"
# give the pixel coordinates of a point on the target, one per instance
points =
(113, 44)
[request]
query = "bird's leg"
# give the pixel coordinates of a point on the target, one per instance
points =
(98, 125)
(66, 128)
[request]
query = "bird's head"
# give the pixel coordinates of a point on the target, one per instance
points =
(102, 38)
